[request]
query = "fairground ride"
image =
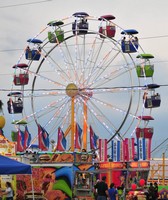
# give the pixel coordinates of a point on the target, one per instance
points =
(88, 71)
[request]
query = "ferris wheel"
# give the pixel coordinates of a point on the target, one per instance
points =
(86, 70)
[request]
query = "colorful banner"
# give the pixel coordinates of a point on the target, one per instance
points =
(122, 152)
(115, 154)
(126, 150)
(148, 148)
(131, 149)
(146, 134)
(141, 148)
(103, 150)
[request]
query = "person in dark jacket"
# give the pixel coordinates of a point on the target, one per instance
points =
(151, 191)
(102, 189)
(156, 190)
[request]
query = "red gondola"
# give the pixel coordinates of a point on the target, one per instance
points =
(23, 77)
(109, 29)
(144, 132)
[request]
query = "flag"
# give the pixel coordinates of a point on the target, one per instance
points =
(78, 135)
(61, 142)
(43, 138)
(93, 139)
(20, 141)
(27, 138)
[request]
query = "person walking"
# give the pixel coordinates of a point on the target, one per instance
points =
(102, 189)
(146, 193)
(112, 192)
(156, 190)
(95, 190)
(151, 191)
(9, 191)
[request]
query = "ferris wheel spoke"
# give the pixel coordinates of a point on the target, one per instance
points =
(88, 60)
(108, 78)
(102, 66)
(57, 67)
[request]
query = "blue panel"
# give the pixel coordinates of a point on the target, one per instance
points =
(32, 55)
(129, 47)
(34, 41)
(129, 32)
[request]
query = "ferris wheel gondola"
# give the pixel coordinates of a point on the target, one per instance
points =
(145, 69)
(80, 25)
(130, 42)
(58, 34)
(34, 52)
(109, 29)
(21, 78)
(15, 103)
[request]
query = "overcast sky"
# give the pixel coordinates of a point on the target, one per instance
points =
(22, 19)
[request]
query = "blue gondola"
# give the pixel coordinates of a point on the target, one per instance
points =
(35, 53)
(109, 29)
(129, 43)
(58, 34)
(15, 103)
(80, 25)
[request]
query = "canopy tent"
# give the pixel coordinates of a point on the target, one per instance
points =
(10, 166)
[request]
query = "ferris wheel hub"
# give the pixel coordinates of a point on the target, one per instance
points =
(71, 90)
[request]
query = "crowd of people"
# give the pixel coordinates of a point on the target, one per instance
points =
(103, 192)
